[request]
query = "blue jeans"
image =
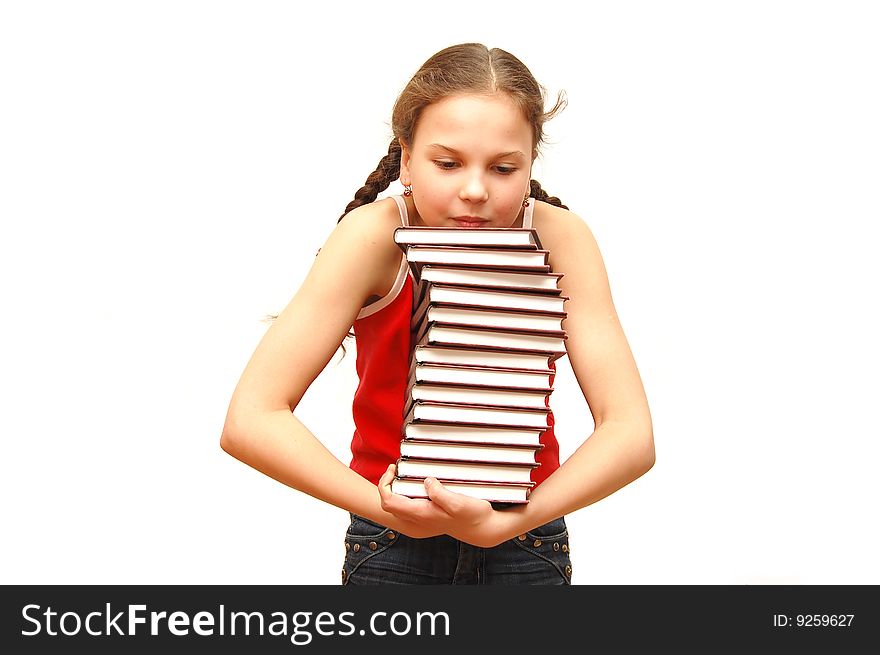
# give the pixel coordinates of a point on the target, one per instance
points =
(376, 555)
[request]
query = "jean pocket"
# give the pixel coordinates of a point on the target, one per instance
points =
(361, 527)
(555, 529)
(550, 543)
(363, 541)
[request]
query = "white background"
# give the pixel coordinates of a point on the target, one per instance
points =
(169, 169)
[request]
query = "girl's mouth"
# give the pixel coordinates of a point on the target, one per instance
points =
(469, 221)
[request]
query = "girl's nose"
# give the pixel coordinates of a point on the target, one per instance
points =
(474, 189)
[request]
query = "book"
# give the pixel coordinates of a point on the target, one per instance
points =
(485, 330)
(421, 410)
(480, 376)
(522, 260)
(507, 359)
(531, 281)
(456, 335)
(484, 316)
(493, 492)
(443, 393)
(509, 237)
(468, 452)
(469, 471)
(461, 433)
(495, 299)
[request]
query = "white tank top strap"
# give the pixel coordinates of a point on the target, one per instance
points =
(402, 272)
(401, 207)
(527, 214)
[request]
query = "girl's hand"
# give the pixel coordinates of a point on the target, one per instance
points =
(467, 519)
(415, 517)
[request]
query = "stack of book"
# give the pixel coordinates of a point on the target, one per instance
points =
(486, 327)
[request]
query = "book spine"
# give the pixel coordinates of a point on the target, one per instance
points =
(506, 320)
(471, 356)
(493, 377)
(529, 418)
(437, 334)
(489, 454)
(535, 447)
(456, 470)
(481, 297)
(452, 433)
(480, 394)
(494, 281)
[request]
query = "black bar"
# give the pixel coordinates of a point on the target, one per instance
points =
(328, 619)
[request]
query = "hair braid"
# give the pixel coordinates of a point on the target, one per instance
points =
(386, 172)
(539, 194)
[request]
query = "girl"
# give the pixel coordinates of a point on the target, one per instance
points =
(467, 129)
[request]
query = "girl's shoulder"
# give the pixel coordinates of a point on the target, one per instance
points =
(368, 233)
(557, 226)
(572, 246)
(377, 218)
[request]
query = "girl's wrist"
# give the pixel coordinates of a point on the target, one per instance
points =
(511, 521)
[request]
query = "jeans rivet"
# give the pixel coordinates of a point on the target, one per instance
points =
(347, 546)
(556, 546)
(522, 537)
(564, 548)
(356, 547)
(538, 542)
(373, 545)
(392, 536)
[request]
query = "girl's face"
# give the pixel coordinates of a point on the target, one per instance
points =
(470, 162)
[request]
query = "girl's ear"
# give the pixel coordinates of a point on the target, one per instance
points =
(405, 156)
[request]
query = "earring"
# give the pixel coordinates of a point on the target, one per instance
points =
(526, 201)
(407, 190)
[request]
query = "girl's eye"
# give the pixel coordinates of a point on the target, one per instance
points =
(447, 165)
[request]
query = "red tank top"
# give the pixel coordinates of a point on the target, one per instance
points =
(382, 337)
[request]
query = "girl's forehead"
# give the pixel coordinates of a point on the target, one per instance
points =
(488, 117)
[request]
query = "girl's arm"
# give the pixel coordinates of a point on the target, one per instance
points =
(261, 429)
(621, 447)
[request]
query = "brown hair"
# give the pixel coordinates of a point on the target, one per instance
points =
(464, 68)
